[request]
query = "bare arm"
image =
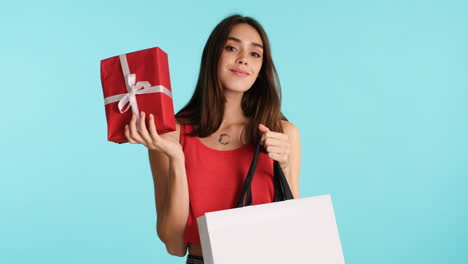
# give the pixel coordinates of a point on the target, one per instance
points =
(167, 163)
(172, 200)
(293, 169)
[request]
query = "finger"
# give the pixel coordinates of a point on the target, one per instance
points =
(152, 128)
(275, 139)
(133, 130)
(127, 135)
(266, 132)
(276, 135)
(278, 157)
(275, 142)
(263, 128)
(277, 150)
(143, 131)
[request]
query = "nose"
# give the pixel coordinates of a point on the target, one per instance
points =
(242, 58)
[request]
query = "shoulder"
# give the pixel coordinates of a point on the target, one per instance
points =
(290, 129)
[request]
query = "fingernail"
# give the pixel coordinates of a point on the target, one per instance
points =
(151, 115)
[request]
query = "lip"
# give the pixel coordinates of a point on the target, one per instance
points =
(239, 72)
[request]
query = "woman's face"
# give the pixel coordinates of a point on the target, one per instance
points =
(241, 59)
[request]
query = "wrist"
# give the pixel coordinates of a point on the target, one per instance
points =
(177, 157)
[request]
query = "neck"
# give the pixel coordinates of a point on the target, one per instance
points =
(233, 113)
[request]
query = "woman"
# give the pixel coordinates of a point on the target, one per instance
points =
(200, 167)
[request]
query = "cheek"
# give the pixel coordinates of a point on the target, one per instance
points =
(220, 62)
(257, 68)
(221, 65)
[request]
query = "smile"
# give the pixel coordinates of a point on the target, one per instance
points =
(240, 73)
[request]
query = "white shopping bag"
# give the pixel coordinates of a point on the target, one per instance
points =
(292, 231)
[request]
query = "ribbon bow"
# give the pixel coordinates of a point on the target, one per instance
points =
(128, 100)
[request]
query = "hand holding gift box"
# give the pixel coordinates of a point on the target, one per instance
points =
(138, 81)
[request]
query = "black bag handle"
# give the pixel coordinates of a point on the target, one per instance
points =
(282, 189)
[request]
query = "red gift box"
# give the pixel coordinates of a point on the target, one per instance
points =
(137, 81)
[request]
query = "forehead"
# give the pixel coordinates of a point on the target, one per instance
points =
(246, 32)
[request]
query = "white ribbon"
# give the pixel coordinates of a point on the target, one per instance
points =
(127, 100)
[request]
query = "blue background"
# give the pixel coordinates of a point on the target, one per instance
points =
(378, 89)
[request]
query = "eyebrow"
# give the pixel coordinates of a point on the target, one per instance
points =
(238, 40)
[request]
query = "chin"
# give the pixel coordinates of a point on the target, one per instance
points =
(238, 87)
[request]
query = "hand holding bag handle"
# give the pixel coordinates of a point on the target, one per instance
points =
(282, 190)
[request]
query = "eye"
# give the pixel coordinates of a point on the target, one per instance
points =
(230, 48)
(255, 54)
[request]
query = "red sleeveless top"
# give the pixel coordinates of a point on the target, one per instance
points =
(215, 178)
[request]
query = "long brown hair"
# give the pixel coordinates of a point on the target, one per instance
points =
(261, 103)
